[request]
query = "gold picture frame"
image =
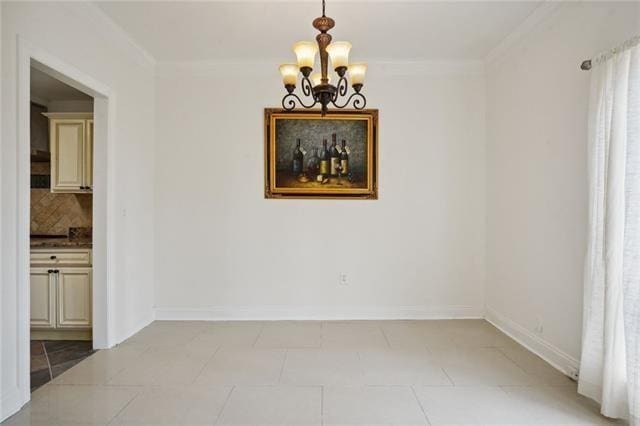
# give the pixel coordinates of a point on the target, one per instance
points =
(309, 129)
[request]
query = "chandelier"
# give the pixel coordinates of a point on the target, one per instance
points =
(317, 88)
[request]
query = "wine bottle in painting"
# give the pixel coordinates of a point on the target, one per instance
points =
(313, 164)
(298, 158)
(335, 155)
(344, 158)
(324, 159)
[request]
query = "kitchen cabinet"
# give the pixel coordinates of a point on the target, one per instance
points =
(61, 289)
(43, 298)
(74, 298)
(71, 144)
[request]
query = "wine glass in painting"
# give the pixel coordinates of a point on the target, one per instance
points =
(338, 168)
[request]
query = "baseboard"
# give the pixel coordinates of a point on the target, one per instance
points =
(10, 404)
(85, 335)
(557, 358)
(274, 313)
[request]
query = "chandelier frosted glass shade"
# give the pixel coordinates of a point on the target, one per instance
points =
(339, 53)
(289, 74)
(357, 72)
(316, 79)
(306, 52)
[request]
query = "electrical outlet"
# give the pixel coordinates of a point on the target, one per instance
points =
(343, 279)
(539, 328)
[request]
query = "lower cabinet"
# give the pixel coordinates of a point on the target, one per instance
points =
(74, 298)
(43, 298)
(61, 297)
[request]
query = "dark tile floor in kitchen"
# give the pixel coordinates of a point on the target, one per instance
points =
(50, 358)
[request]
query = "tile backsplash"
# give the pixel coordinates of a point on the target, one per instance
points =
(54, 214)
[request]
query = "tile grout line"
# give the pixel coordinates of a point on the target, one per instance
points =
(321, 405)
(226, 401)
(448, 377)
(258, 336)
(46, 355)
(109, 379)
(195, 379)
(385, 336)
(508, 358)
(284, 361)
(139, 391)
(424, 413)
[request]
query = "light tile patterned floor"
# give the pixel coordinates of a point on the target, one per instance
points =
(311, 373)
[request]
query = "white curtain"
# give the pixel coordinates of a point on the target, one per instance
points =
(610, 362)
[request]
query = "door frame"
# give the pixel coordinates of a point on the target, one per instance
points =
(29, 55)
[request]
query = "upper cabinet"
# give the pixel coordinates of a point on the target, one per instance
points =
(71, 143)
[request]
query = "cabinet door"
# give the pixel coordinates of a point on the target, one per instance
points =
(43, 298)
(74, 298)
(67, 154)
(88, 156)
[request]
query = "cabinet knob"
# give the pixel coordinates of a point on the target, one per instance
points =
(53, 257)
(50, 271)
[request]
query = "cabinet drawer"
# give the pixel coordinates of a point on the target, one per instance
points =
(62, 257)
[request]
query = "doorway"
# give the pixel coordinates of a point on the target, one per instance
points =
(32, 57)
(61, 227)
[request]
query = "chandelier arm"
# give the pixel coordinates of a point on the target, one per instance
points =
(289, 102)
(341, 89)
(307, 87)
(359, 101)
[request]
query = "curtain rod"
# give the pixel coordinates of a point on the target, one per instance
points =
(634, 41)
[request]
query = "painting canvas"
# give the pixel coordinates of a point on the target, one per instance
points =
(311, 156)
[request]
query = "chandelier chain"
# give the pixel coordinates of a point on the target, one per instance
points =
(323, 7)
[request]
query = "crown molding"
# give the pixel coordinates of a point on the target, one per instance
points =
(104, 22)
(522, 31)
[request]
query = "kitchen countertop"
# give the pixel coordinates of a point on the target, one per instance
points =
(43, 242)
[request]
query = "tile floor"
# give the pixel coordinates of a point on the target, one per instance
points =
(311, 373)
(50, 358)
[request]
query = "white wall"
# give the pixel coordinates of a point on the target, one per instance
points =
(224, 251)
(537, 177)
(76, 34)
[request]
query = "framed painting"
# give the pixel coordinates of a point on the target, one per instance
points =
(311, 156)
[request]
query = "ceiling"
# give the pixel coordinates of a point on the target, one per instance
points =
(264, 31)
(47, 88)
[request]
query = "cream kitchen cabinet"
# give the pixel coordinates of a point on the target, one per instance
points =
(61, 296)
(43, 298)
(74, 298)
(71, 144)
